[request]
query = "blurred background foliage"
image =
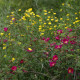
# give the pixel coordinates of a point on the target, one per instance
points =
(6, 6)
(36, 4)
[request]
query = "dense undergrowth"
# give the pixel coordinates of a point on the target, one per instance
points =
(41, 45)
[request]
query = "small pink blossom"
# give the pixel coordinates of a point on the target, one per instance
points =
(65, 41)
(70, 70)
(52, 44)
(22, 61)
(55, 58)
(5, 40)
(72, 42)
(57, 37)
(47, 39)
(24, 70)
(5, 29)
(52, 64)
(43, 38)
(69, 29)
(59, 31)
(58, 46)
(14, 68)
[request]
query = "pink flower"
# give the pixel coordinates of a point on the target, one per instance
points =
(52, 64)
(14, 68)
(57, 37)
(5, 40)
(5, 29)
(72, 42)
(22, 61)
(71, 49)
(52, 44)
(65, 41)
(69, 29)
(70, 70)
(58, 46)
(12, 72)
(47, 39)
(59, 31)
(24, 70)
(43, 38)
(55, 58)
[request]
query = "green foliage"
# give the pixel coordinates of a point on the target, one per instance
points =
(31, 39)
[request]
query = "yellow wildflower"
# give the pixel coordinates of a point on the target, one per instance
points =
(19, 10)
(29, 49)
(13, 59)
(1, 34)
(62, 4)
(4, 47)
(5, 56)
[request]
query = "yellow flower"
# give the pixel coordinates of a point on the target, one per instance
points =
(73, 22)
(12, 12)
(4, 44)
(7, 16)
(45, 13)
(66, 27)
(54, 13)
(49, 23)
(1, 34)
(11, 23)
(52, 19)
(75, 13)
(62, 4)
(19, 43)
(61, 18)
(49, 12)
(13, 59)
(19, 10)
(29, 49)
(50, 28)
(76, 18)
(37, 15)
(30, 9)
(44, 23)
(56, 20)
(41, 34)
(45, 10)
(13, 19)
(60, 9)
(67, 19)
(9, 34)
(47, 19)
(67, 14)
(48, 16)
(5, 56)
(55, 26)
(4, 47)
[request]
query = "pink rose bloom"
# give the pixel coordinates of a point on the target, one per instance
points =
(14, 68)
(65, 41)
(59, 31)
(58, 46)
(52, 44)
(69, 29)
(57, 37)
(5, 29)
(5, 40)
(52, 64)
(43, 38)
(22, 61)
(47, 39)
(55, 58)
(70, 70)
(72, 42)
